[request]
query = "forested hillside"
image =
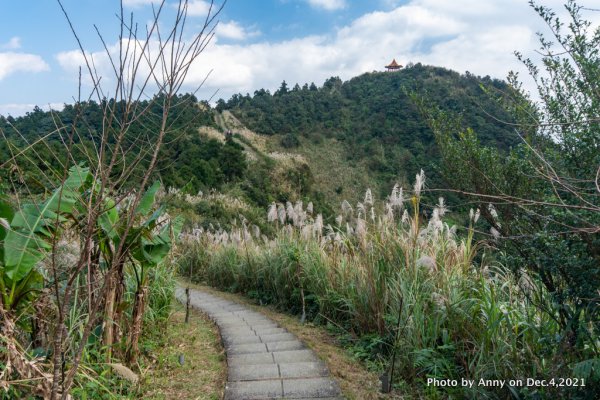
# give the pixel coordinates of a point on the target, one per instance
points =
(366, 132)
(372, 122)
(190, 160)
(321, 144)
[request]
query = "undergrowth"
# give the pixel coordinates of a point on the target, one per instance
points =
(403, 292)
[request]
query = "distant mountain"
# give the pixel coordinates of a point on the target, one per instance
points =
(321, 144)
(367, 131)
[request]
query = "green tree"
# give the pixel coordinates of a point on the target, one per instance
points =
(283, 89)
(541, 200)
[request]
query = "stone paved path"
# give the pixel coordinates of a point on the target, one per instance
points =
(264, 360)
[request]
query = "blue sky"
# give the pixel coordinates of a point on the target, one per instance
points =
(259, 43)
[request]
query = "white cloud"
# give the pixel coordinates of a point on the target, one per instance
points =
(72, 60)
(198, 8)
(18, 109)
(139, 3)
(233, 30)
(13, 44)
(329, 5)
(415, 32)
(11, 62)
(478, 36)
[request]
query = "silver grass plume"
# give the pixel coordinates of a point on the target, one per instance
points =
(255, 231)
(360, 209)
(309, 208)
(435, 225)
(299, 214)
(338, 220)
(361, 228)
(405, 217)
(330, 231)
(450, 232)
(272, 213)
(526, 283)
(224, 237)
(306, 232)
(338, 238)
(288, 230)
(368, 198)
(494, 213)
(389, 212)
(419, 183)
(394, 193)
(236, 237)
(349, 230)
(439, 300)
(474, 215)
(397, 197)
(372, 214)
(346, 208)
(246, 235)
(422, 237)
(281, 213)
(318, 225)
(495, 233)
(289, 209)
(426, 262)
(442, 209)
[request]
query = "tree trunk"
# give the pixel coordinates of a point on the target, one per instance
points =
(118, 316)
(109, 318)
(136, 323)
(111, 311)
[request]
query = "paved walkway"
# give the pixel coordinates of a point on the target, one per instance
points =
(264, 360)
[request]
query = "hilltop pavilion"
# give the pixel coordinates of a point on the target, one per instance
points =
(393, 66)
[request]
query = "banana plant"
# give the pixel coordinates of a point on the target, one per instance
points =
(26, 240)
(147, 242)
(150, 246)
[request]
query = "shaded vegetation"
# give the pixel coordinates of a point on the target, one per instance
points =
(188, 160)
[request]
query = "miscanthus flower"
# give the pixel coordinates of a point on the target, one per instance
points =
(419, 183)
(272, 213)
(368, 198)
(346, 208)
(396, 199)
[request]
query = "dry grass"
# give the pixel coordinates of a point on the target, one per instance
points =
(212, 133)
(327, 159)
(228, 120)
(203, 374)
(356, 382)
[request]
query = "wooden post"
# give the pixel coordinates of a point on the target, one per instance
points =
(386, 387)
(187, 305)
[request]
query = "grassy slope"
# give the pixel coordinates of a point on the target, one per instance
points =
(203, 374)
(332, 171)
(326, 160)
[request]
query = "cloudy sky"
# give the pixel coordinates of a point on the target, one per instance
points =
(259, 43)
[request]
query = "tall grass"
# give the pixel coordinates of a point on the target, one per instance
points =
(400, 284)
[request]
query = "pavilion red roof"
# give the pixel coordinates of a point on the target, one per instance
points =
(393, 65)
